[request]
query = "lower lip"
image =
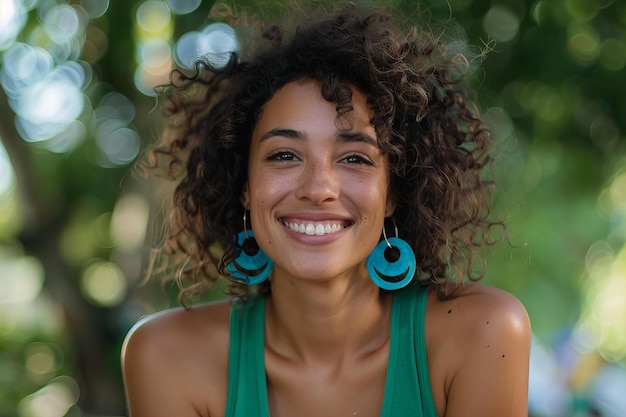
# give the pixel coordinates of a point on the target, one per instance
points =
(314, 239)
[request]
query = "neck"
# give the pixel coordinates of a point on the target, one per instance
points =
(312, 321)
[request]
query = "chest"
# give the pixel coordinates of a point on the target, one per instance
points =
(351, 390)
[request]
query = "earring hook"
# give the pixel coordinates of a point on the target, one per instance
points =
(245, 225)
(395, 226)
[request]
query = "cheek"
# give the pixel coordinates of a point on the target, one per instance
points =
(266, 187)
(372, 192)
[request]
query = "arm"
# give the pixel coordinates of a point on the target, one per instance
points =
(489, 374)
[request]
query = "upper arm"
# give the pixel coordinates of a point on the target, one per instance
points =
(152, 375)
(490, 378)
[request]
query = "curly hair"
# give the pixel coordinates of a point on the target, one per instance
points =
(427, 125)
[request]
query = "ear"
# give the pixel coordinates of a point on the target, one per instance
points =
(245, 196)
(390, 204)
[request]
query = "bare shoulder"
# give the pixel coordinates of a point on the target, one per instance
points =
(170, 360)
(478, 345)
(170, 332)
(477, 306)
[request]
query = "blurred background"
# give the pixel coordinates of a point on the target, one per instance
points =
(77, 223)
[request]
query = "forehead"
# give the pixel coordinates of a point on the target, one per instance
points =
(301, 102)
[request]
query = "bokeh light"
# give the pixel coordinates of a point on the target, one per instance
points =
(129, 222)
(53, 400)
(583, 43)
(214, 45)
(95, 8)
(62, 23)
(155, 54)
(183, 6)
(43, 358)
(154, 16)
(46, 83)
(117, 140)
(103, 283)
(21, 279)
(154, 29)
(13, 17)
(501, 23)
(7, 176)
(47, 99)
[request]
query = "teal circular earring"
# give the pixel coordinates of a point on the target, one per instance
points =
(391, 265)
(252, 266)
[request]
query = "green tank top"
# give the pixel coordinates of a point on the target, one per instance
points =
(407, 387)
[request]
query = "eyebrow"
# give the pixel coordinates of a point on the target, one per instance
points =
(285, 133)
(344, 137)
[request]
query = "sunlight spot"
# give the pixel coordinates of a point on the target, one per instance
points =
(213, 45)
(62, 23)
(7, 176)
(104, 284)
(501, 23)
(129, 222)
(583, 43)
(153, 16)
(95, 8)
(13, 17)
(43, 358)
(155, 53)
(21, 279)
(183, 6)
(53, 400)
(119, 143)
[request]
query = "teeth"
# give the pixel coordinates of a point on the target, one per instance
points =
(314, 229)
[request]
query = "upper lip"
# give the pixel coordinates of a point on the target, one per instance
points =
(316, 217)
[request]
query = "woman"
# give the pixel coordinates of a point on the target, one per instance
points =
(335, 177)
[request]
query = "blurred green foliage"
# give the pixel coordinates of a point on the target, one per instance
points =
(551, 83)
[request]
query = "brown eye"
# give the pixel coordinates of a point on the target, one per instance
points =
(357, 160)
(282, 156)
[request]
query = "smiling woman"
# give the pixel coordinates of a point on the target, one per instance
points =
(336, 177)
(306, 169)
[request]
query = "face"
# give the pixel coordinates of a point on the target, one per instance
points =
(318, 188)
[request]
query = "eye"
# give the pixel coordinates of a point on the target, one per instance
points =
(282, 155)
(358, 159)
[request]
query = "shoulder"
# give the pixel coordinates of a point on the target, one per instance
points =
(478, 342)
(479, 308)
(182, 350)
(169, 329)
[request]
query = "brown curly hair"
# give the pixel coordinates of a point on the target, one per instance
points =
(426, 122)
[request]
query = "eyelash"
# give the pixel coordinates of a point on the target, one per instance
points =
(283, 155)
(358, 159)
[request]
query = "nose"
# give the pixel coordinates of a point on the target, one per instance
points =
(319, 182)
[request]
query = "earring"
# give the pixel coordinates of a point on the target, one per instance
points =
(391, 265)
(252, 266)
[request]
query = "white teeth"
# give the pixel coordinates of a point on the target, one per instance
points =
(314, 229)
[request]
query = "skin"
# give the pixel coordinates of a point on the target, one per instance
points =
(327, 324)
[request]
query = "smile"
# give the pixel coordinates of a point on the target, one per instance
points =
(318, 229)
